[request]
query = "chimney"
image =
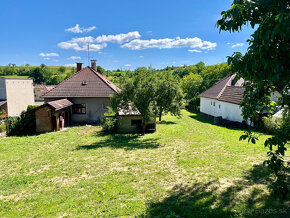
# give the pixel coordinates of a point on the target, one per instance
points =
(79, 66)
(94, 64)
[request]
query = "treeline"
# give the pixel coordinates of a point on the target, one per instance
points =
(49, 75)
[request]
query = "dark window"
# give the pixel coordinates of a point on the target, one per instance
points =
(219, 106)
(80, 109)
(136, 122)
(214, 104)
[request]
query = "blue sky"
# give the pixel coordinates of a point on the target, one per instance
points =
(122, 34)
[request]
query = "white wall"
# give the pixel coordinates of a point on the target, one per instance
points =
(226, 110)
(210, 106)
(19, 94)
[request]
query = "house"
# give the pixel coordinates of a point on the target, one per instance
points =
(39, 91)
(52, 116)
(223, 99)
(88, 90)
(15, 95)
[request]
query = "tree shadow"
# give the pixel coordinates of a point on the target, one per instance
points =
(202, 119)
(164, 122)
(245, 197)
(125, 141)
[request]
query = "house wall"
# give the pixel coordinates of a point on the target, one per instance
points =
(210, 106)
(43, 120)
(125, 125)
(19, 93)
(228, 111)
(96, 107)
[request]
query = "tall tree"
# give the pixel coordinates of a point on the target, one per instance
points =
(168, 94)
(265, 67)
(190, 85)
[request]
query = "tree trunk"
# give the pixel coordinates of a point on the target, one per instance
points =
(143, 127)
(160, 114)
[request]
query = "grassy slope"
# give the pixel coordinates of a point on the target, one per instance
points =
(189, 167)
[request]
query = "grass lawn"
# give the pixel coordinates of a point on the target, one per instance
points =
(188, 168)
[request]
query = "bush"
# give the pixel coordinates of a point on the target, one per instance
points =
(194, 104)
(270, 124)
(23, 125)
(110, 124)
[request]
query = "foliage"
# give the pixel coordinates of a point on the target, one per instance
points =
(23, 125)
(31, 107)
(265, 67)
(2, 127)
(110, 124)
(168, 94)
(271, 124)
(190, 85)
(194, 104)
(2, 112)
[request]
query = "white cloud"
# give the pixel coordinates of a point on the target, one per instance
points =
(48, 54)
(119, 38)
(150, 33)
(70, 65)
(74, 58)
(141, 56)
(237, 45)
(139, 44)
(78, 29)
(194, 50)
(228, 43)
(47, 58)
(80, 46)
(127, 65)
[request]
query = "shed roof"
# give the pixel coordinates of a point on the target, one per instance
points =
(45, 88)
(85, 83)
(2, 102)
(59, 104)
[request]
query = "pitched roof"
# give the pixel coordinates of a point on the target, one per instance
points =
(232, 94)
(216, 90)
(85, 83)
(45, 88)
(59, 104)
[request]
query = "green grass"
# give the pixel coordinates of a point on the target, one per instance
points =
(188, 168)
(15, 77)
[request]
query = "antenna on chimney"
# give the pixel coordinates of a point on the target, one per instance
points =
(88, 54)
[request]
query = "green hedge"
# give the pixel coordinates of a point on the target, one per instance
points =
(23, 125)
(110, 124)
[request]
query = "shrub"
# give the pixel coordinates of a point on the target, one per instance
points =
(2, 127)
(270, 124)
(23, 125)
(110, 124)
(194, 104)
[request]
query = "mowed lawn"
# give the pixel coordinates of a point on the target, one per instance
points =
(188, 168)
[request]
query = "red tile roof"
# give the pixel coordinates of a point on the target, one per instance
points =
(216, 90)
(225, 90)
(232, 94)
(45, 88)
(85, 83)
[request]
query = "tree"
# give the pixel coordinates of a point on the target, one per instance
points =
(168, 94)
(61, 69)
(148, 92)
(190, 85)
(265, 67)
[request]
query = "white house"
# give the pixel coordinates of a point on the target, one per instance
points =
(223, 99)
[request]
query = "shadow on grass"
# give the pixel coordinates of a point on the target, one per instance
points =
(164, 122)
(126, 141)
(243, 197)
(201, 118)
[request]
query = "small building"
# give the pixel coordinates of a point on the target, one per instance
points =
(52, 116)
(131, 122)
(88, 90)
(15, 95)
(39, 91)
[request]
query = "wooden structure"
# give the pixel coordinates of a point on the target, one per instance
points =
(53, 116)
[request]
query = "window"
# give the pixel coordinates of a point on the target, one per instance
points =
(136, 122)
(211, 103)
(219, 106)
(214, 104)
(80, 109)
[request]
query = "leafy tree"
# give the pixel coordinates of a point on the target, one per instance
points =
(190, 85)
(61, 69)
(265, 67)
(168, 94)
(42, 65)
